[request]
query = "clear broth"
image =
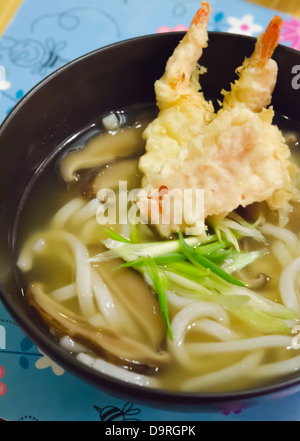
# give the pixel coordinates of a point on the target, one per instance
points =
(48, 193)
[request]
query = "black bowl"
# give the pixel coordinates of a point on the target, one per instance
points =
(70, 99)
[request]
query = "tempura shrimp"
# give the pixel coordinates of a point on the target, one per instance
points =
(258, 74)
(183, 108)
(180, 82)
(237, 156)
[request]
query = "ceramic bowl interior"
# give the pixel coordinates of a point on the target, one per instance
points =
(69, 100)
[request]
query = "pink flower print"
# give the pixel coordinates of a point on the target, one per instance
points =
(2, 386)
(227, 411)
(176, 28)
(232, 408)
(244, 25)
(291, 33)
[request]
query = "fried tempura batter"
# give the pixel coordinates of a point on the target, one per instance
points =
(236, 155)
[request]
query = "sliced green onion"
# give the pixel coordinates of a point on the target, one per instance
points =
(236, 262)
(210, 248)
(198, 259)
(187, 269)
(221, 255)
(134, 235)
(160, 285)
(114, 235)
(262, 321)
(200, 268)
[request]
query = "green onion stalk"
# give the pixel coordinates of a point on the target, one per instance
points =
(201, 268)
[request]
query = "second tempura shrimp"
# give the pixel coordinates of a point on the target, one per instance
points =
(258, 73)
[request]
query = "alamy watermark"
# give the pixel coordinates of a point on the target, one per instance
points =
(296, 78)
(296, 339)
(4, 84)
(2, 337)
(158, 207)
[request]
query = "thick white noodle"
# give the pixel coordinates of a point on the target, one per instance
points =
(110, 121)
(117, 372)
(83, 272)
(287, 285)
(282, 253)
(82, 266)
(216, 330)
(85, 213)
(88, 232)
(285, 235)
(65, 213)
(104, 299)
(98, 321)
(277, 369)
(64, 293)
(245, 344)
(72, 346)
(34, 245)
(184, 320)
(178, 302)
(214, 380)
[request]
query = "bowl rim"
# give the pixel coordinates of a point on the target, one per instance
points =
(115, 45)
(160, 397)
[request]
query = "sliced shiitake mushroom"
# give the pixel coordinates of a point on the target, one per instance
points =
(105, 343)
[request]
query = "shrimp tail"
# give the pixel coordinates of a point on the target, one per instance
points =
(180, 66)
(203, 14)
(268, 42)
(258, 74)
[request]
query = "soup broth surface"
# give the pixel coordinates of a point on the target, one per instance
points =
(213, 351)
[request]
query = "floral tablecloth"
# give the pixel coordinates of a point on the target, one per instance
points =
(43, 36)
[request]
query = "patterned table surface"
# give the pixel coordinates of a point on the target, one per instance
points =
(42, 36)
